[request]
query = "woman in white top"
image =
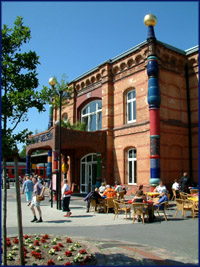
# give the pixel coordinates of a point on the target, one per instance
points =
(66, 195)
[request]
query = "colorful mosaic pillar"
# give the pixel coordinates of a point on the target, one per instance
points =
(28, 165)
(55, 162)
(49, 160)
(153, 101)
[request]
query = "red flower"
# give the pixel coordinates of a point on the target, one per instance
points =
(82, 263)
(68, 240)
(57, 248)
(68, 253)
(26, 236)
(36, 243)
(87, 259)
(60, 245)
(8, 243)
(35, 254)
(7, 239)
(82, 251)
(50, 262)
(46, 236)
(16, 241)
(68, 263)
(43, 240)
(25, 255)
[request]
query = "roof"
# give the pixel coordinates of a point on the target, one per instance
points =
(135, 48)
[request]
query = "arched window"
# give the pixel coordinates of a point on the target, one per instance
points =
(92, 115)
(132, 166)
(131, 106)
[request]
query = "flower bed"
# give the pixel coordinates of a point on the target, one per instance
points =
(48, 250)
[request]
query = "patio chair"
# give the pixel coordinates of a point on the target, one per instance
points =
(120, 206)
(140, 209)
(159, 209)
(173, 194)
(183, 206)
(93, 204)
(120, 195)
(183, 195)
(195, 208)
(109, 203)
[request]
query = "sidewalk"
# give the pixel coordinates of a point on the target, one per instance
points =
(106, 238)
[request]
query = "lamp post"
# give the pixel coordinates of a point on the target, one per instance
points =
(53, 82)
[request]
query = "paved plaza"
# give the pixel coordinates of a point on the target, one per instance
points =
(115, 242)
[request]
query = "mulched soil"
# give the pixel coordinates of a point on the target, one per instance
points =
(64, 246)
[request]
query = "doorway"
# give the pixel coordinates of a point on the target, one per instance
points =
(88, 173)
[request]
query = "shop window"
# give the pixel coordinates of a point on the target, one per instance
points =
(92, 115)
(132, 166)
(131, 106)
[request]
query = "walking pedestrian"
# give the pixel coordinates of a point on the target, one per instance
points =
(66, 195)
(27, 188)
(38, 190)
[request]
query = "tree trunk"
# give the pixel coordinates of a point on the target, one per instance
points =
(19, 212)
(4, 205)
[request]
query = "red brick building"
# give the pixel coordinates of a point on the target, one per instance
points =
(112, 100)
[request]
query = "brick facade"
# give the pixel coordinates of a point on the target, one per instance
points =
(110, 82)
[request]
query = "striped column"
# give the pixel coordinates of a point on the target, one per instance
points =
(153, 101)
(49, 160)
(28, 165)
(55, 162)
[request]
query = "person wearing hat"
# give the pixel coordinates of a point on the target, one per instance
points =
(162, 199)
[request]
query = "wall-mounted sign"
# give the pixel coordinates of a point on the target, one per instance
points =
(41, 138)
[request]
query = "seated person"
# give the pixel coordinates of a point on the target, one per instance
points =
(109, 192)
(118, 187)
(176, 187)
(102, 188)
(162, 199)
(160, 188)
(139, 198)
(92, 195)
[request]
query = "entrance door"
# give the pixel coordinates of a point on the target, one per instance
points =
(88, 173)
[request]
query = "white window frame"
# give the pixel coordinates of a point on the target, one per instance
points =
(89, 114)
(131, 101)
(132, 160)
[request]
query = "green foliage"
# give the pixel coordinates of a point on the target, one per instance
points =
(52, 93)
(22, 153)
(78, 126)
(19, 82)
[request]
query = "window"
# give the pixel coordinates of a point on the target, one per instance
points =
(92, 116)
(131, 107)
(132, 166)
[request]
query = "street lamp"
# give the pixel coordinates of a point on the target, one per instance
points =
(53, 82)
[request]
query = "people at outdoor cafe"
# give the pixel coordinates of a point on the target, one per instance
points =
(92, 195)
(160, 188)
(109, 192)
(102, 188)
(162, 199)
(118, 187)
(176, 187)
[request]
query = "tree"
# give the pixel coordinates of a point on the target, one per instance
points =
(19, 82)
(22, 153)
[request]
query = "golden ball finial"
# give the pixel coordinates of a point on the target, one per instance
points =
(150, 20)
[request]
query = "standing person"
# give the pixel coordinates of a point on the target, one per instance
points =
(184, 182)
(66, 195)
(27, 188)
(37, 190)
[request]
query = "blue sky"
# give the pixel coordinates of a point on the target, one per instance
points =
(74, 37)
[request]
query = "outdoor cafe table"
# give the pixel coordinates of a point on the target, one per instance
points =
(152, 194)
(194, 198)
